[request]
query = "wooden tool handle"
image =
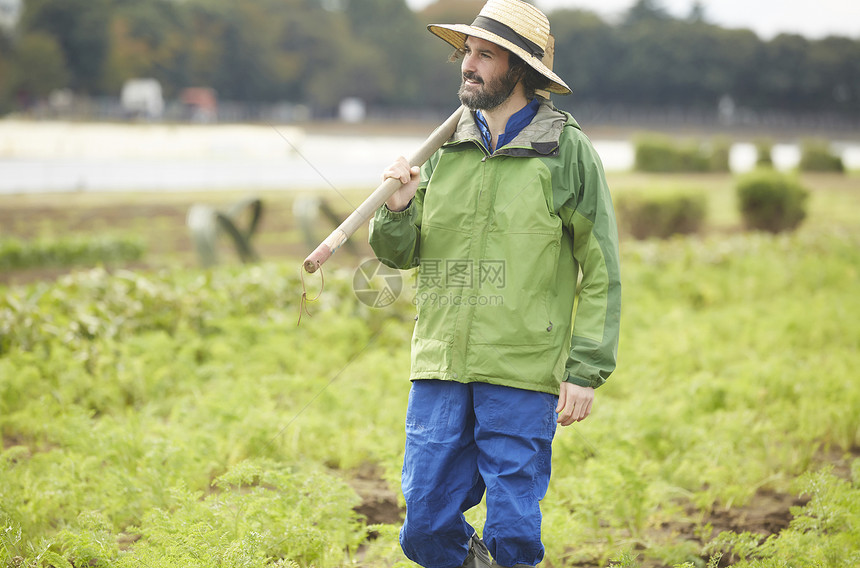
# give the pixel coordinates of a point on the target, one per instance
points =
(380, 195)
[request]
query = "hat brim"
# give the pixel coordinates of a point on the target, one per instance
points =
(455, 34)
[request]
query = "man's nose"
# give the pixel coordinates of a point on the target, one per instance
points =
(468, 63)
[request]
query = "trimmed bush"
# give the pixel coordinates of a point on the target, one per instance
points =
(815, 156)
(655, 153)
(771, 201)
(663, 154)
(661, 215)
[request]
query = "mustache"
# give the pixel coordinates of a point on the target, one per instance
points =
(472, 76)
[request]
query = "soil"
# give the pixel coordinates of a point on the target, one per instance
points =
(379, 503)
(767, 513)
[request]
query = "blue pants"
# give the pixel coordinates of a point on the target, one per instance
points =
(463, 439)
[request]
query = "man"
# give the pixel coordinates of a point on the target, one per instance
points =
(500, 222)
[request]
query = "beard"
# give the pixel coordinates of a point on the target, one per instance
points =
(487, 96)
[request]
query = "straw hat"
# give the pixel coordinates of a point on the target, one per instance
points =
(515, 25)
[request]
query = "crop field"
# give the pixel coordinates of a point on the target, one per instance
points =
(158, 414)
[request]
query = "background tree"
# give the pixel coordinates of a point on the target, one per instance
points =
(6, 71)
(41, 66)
(148, 39)
(81, 29)
(451, 11)
(317, 52)
(247, 68)
(389, 29)
(586, 49)
(782, 82)
(439, 79)
(646, 10)
(697, 13)
(833, 74)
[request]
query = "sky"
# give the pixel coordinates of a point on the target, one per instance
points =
(811, 18)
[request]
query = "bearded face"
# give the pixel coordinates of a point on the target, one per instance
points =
(486, 93)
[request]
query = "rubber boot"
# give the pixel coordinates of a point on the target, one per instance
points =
(479, 556)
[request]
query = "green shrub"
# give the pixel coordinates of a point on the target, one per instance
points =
(657, 153)
(815, 156)
(77, 251)
(771, 201)
(662, 215)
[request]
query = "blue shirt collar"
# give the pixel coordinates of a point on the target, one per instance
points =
(516, 123)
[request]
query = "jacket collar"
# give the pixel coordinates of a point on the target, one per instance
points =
(539, 138)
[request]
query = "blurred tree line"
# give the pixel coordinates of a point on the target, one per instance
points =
(316, 52)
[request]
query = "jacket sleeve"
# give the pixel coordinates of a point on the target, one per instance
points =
(590, 218)
(395, 236)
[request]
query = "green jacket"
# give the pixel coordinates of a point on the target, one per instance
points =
(499, 241)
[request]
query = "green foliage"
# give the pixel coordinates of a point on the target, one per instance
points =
(713, 396)
(816, 156)
(646, 11)
(664, 154)
(823, 533)
(81, 29)
(771, 201)
(256, 511)
(41, 55)
(74, 251)
(395, 53)
(181, 418)
(661, 214)
(6, 79)
(316, 53)
(184, 419)
(656, 153)
(625, 560)
(586, 34)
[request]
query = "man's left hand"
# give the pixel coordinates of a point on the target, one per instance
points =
(574, 403)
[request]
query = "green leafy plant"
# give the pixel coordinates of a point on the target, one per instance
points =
(771, 201)
(655, 153)
(661, 214)
(816, 156)
(181, 418)
(664, 154)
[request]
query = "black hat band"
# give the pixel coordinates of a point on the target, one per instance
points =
(506, 32)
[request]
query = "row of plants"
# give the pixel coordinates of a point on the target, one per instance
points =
(182, 418)
(767, 200)
(659, 153)
(16, 254)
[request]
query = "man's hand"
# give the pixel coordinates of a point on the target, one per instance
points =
(574, 403)
(408, 177)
